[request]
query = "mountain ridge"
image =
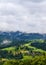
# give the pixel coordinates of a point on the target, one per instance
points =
(23, 35)
(16, 38)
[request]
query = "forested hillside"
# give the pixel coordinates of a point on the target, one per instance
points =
(17, 48)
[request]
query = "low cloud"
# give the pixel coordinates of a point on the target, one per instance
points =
(23, 15)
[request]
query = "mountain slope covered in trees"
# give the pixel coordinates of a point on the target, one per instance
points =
(17, 48)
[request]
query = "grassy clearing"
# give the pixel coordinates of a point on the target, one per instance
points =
(9, 48)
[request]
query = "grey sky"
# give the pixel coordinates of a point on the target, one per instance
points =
(23, 15)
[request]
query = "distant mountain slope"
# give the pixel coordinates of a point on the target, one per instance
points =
(15, 38)
(21, 36)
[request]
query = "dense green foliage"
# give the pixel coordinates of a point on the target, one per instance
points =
(37, 60)
(31, 53)
(40, 45)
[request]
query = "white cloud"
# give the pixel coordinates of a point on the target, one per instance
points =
(23, 15)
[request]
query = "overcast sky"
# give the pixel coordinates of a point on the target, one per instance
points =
(23, 15)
